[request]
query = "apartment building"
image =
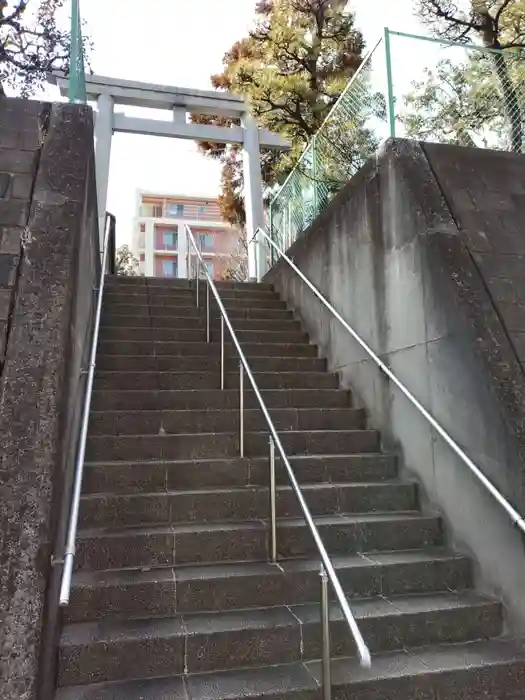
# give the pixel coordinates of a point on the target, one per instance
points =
(159, 236)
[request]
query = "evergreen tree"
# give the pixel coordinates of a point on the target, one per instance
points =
(292, 68)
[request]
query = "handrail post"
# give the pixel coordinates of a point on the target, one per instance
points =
(222, 351)
(325, 631)
(188, 257)
(241, 408)
(208, 332)
(198, 279)
(273, 503)
(315, 177)
(390, 106)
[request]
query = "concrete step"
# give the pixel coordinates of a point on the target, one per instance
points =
(115, 650)
(230, 586)
(492, 670)
(248, 503)
(144, 477)
(200, 543)
(198, 322)
(171, 306)
(216, 445)
(185, 363)
(211, 380)
(199, 335)
(148, 292)
(184, 321)
(153, 399)
(113, 299)
(114, 305)
(203, 349)
(167, 283)
(219, 421)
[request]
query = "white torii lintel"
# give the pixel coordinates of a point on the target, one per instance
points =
(108, 92)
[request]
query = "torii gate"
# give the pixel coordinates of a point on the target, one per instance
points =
(109, 92)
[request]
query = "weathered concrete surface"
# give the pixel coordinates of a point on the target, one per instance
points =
(399, 254)
(48, 264)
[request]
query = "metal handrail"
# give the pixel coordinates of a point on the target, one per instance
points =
(69, 553)
(516, 518)
(328, 571)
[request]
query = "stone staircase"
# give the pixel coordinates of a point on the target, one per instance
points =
(173, 596)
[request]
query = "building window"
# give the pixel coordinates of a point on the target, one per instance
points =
(206, 241)
(157, 211)
(169, 239)
(143, 228)
(209, 267)
(202, 211)
(176, 210)
(169, 268)
(142, 257)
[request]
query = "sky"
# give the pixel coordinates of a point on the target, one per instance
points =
(182, 43)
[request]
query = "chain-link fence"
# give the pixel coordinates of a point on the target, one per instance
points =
(352, 130)
(407, 86)
(461, 94)
(77, 71)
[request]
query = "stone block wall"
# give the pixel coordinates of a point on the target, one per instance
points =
(49, 264)
(22, 128)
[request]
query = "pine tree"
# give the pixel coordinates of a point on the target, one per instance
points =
(292, 68)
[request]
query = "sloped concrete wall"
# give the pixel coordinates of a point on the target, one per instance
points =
(49, 263)
(396, 254)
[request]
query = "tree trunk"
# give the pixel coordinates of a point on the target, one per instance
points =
(510, 102)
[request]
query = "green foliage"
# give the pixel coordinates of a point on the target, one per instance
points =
(457, 103)
(31, 44)
(348, 136)
(292, 68)
(479, 101)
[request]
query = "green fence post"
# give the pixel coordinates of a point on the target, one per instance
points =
(270, 217)
(314, 178)
(77, 78)
(389, 85)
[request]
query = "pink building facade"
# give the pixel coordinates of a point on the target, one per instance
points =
(159, 235)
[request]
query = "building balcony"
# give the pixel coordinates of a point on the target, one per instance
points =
(166, 248)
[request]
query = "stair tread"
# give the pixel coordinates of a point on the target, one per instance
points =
(226, 570)
(208, 491)
(252, 357)
(297, 678)
(261, 524)
(202, 392)
(288, 409)
(229, 460)
(265, 618)
(211, 373)
(229, 432)
(213, 343)
(437, 659)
